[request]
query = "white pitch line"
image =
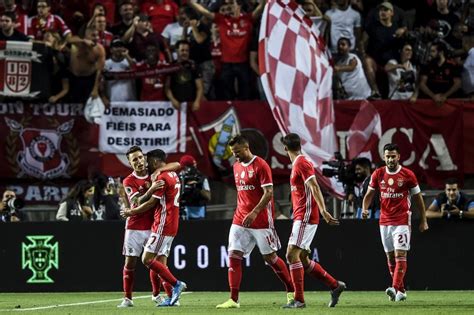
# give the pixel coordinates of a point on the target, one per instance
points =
(75, 304)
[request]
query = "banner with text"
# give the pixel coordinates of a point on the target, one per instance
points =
(149, 125)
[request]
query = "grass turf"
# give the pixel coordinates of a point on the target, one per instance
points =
(418, 302)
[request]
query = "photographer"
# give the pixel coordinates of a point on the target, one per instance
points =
(452, 203)
(195, 190)
(402, 76)
(9, 207)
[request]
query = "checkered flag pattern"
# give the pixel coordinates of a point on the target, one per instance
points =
(297, 78)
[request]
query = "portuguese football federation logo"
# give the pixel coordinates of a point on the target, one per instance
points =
(39, 255)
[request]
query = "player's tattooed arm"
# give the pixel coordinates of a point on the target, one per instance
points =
(146, 196)
(150, 204)
(262, 204)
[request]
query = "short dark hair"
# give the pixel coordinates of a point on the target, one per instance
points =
(48, 2)
(238, 139)
(10, 14)
(391, 147)
(190, 13)
(133, 149)
(451, 181)
(181, 42)
(292, 141)
(362, 161)
(156, 154)
(440, 46)
(344, 38)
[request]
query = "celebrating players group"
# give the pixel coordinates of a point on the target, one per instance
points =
(153, 191)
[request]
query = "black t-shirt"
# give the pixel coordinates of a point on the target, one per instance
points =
(440, 78)
(119, 29)
(183, 83)
(16, 36)
(200, 52)
(383, 45)
(444, 23)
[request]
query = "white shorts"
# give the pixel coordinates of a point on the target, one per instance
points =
(244, 240)
(159, 244)
(133, 242)
(302, 234)
(395, 237)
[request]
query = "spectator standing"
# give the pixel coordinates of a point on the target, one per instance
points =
(184, 85)
(174, 32)
(452, 202)
(235, 29)
(345, 22)
(9, 32)
(350, 72)
(126, 15)
(382, 45)
(76, 206)
(45, 21)
(440, 79)
(195, 189)
(86, 65)
(468, 73)
(199, 38)
(161, 13)
(402, 76)
(105, 37)
(21, 18)
(152, 87)
(120, 60)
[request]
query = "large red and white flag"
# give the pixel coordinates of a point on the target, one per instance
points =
(297, 79)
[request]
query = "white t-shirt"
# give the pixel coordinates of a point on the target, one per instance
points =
(468, 73)
(400, 90)
(355, 83)
(173, 32)
(342, 25)
(119, 90)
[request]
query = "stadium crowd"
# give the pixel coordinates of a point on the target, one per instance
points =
(380, 49)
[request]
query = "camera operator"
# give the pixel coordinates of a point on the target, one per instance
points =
(363, 170)
(9, 207)
(402, 76)
(195, 190)
(452, 203)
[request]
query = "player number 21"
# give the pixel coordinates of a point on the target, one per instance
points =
(402, 238)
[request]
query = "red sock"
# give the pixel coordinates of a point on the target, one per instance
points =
(235, 275)
(391, 267)
(297, 276)
(128, 279)
(319, 273)
(399, 274)
(168, 288)
(279, 267)
(155, 282)
(163, 272)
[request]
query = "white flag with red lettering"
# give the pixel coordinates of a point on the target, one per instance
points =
(297, 78)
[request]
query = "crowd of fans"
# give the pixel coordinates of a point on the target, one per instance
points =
(380, 49)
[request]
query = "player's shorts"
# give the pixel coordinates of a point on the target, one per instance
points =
(159, 244)
(302, 234)
(244, 240)
(395, 237)
(134, 241)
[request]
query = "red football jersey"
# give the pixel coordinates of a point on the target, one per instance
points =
(395, 190)
(37, 26)
(305, 208)
(235, 34)
(152, 87)
(136, 186)
(161, 14)
(249, 179)
(167, 212)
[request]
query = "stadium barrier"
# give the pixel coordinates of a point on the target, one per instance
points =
(68, 256)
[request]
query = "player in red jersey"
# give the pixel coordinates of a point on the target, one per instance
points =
(253, 220)
(165, 201)
(396, 184)
(307, 199)
(138, 188)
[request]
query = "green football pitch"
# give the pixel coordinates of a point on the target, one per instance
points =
(418, 302)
